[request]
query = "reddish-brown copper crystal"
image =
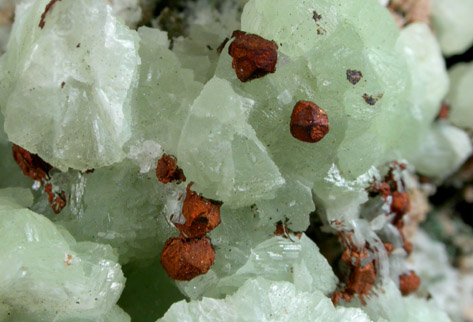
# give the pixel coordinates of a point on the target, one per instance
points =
(56, 200)
(309, 123)
(253, 56)
(184, 259)
(31, 164)
(168, 171)
(409, 283)
(201, 214)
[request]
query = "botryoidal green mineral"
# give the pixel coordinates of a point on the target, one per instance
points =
(86, 91)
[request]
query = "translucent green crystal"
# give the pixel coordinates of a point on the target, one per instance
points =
(284, 259)
(164, 95)
(444, 150)
(115, 205)
(451, 20)
(70, 105)
(46, 274)
(263, 300)
(460, 96)
(87, 92)
(219, 148)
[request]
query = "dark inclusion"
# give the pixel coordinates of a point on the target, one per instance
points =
(354, 76)
(316, 16)
(369, 99)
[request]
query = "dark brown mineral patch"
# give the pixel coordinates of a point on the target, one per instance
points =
(354, 76)
(316, 16)
(168, 171)
(371, 100)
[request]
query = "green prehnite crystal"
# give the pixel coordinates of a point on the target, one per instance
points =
(87, 92)
(285, 259)
(445, 149)
(115, 205)
(164, 95)
(219, 148)
(66, 87)
(292, 200)
(47, 275)
(361, 134)
(208, 28)
(460, 96)
(262, 300)
(451, 20)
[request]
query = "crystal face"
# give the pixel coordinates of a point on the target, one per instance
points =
(235, 160)
(65, 87)
(46, 274)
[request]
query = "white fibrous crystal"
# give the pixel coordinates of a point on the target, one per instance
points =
(47, 275)
(66, 87)
(453, 26)
(263, 300)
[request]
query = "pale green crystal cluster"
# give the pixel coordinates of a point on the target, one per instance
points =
(84, 91)
(277, 301)
(47, 275)
(84, 63)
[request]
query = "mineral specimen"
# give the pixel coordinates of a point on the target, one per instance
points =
(265, 160)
